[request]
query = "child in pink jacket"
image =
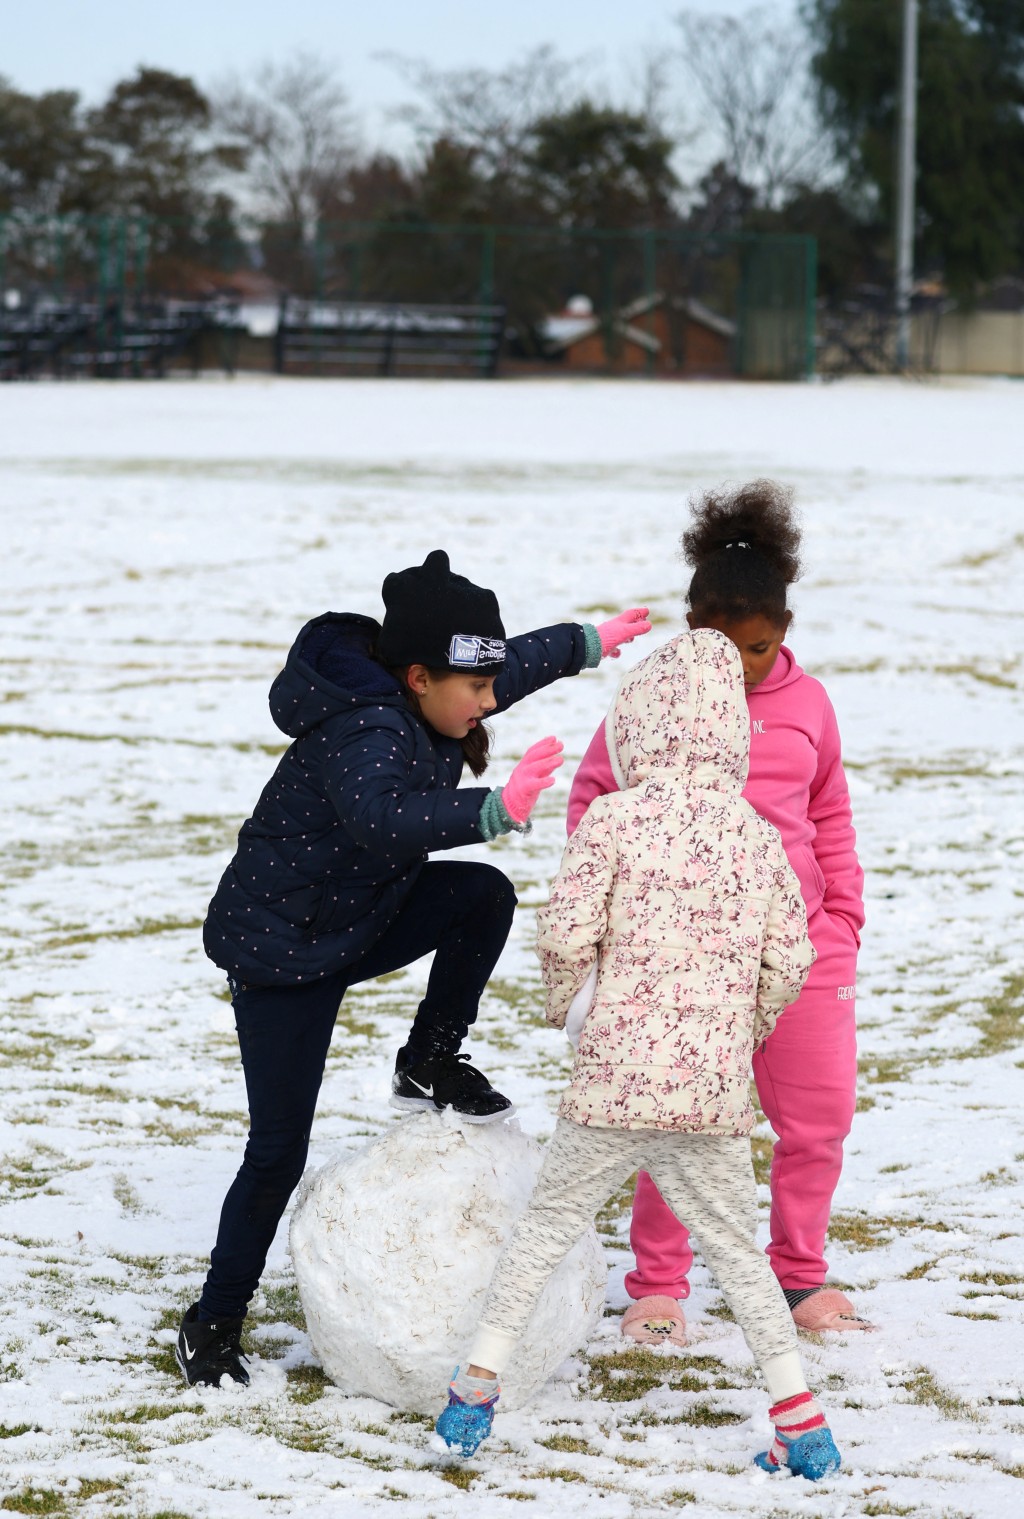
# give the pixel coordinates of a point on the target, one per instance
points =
(680, 901)
(743, 546)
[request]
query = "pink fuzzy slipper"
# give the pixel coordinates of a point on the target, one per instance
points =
(654, 1321)
(828, 1309)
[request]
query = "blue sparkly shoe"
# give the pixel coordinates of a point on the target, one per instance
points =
(463, 1426)
(813, 1455)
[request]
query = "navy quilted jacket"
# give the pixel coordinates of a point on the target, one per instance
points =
(364, 792)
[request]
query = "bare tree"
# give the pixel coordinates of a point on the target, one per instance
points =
(296, 131)
(752, 75)
(489, 112)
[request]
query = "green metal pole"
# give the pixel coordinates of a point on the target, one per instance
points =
(141, 250)
(61, 257)
(120, 263)
(741, 309)
(811, 299)
(319, 248)
(607, 301)
(319, 255)
(651, 290)
(487, 248)
(102, 251)
(487, 253)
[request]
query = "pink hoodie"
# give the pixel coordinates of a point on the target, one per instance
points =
(796, 781)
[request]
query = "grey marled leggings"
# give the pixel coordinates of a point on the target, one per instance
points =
(707, 1179)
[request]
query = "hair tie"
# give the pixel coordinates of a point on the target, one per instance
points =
(737, 543)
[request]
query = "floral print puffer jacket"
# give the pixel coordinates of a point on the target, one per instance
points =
(686, 900)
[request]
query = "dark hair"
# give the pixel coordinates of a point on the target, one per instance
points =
(476, 746)
(743, 546)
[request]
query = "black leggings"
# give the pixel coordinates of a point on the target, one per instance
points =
(462, 912)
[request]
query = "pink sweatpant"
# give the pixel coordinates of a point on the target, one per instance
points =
(806, 1075)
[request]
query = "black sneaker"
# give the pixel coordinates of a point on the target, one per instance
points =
(448, 1081)
(206, 1352)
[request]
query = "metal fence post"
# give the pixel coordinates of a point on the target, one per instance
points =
(141, 250)
(487, 249)
(811, 304)
(651, 291)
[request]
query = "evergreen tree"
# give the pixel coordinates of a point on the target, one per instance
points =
(970, 122)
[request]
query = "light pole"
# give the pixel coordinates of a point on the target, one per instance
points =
(905, 184)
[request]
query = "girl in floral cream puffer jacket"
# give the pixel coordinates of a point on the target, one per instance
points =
(682, 898)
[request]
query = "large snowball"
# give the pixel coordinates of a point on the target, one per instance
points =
(394, 1248)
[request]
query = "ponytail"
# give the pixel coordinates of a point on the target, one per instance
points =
(743, 545)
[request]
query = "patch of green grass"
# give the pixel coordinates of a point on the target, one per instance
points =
(923, 1388)
(616, 1208)
(721, 1310)
(762, 1147)
(149, 1413)
(629, 1375)
(861, 1231)
(152, 1265)
(34, 1501)
(523, 1000)
(12, 1431)
(996, 1278)
(988, 556)
(282, 1305)
(571, 1443)
(144, 929)
(458, 1476)
(1001, 1019)
(885, 1071)
(126, 1195)
(423, 1420)
(91, 1487)
(706, 1416)
(559, 1474)
(307, 1384)
(986, 677)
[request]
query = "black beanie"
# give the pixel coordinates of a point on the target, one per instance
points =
(440, 620)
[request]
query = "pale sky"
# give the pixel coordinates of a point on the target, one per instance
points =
(88, 46)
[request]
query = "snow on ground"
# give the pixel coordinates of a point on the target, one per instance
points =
(162, 544)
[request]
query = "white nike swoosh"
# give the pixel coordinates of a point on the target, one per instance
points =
(427, 1091)
(189, 1354)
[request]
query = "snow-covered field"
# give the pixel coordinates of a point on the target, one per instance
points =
(161, 545)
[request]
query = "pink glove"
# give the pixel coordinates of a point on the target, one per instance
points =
(622, 629)
(532, 775)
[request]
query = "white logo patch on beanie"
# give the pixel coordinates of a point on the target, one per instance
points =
(467, 651)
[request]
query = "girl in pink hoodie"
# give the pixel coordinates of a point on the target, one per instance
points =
(743, 546)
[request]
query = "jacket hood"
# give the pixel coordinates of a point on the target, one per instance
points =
(683, 711)
(330, 670)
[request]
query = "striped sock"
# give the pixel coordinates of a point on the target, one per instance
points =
(792, 1418)
(474, 1390)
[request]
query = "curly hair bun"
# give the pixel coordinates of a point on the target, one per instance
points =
(759, 514)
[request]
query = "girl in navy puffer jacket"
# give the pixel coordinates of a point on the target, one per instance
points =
(331, 883)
